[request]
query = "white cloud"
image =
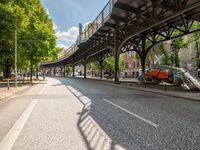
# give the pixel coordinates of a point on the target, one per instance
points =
(61, 45)
(47, 10)
(55, 27)
(69, 36)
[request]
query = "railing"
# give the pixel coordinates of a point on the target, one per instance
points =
(92, 27)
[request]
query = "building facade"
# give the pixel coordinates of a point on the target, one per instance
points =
(131, 65)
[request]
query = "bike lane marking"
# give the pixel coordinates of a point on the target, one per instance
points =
(13, 133)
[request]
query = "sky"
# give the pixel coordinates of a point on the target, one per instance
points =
(67, 14)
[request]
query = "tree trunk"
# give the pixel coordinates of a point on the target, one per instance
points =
(7, 69)
(37, 73)
(31, 71)
(198, 55)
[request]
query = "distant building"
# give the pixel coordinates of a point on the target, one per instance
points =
(79, 70)
(187, 56)
(131, 65)
(57, 71)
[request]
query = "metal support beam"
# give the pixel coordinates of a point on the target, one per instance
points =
(15, 58)
(54, 71)
(101, 66)
(116, 57)
(85, 67)
(64, 70)
(118, 18)
(73, 69)
(154, 22)
(143, 58)
(127, 8)
(50, 71)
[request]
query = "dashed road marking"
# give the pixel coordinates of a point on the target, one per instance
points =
(42, 90)
(135, 115)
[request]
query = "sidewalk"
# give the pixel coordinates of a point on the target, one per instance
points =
(5, 93)
(166, 90)
(192, 95)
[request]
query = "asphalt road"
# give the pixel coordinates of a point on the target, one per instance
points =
(73, 114)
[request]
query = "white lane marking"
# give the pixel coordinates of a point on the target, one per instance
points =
(42, 90)
(135, 115)
(10, 138)
(14, 96)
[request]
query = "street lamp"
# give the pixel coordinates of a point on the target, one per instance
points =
(15, 58)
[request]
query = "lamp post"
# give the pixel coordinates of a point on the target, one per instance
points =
(15, 58)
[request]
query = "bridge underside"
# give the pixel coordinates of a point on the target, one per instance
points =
(135, 25)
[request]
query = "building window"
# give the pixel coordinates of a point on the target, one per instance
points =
(138, 64)
(126, 65)
(133, 64)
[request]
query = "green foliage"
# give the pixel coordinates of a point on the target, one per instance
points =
(108, 64)
(169, 58)
(68, 70)
(36, 38)
(172, 58)
(121, 63)
(196, 38)
(93, 65)
(165, 56)
(12, 17)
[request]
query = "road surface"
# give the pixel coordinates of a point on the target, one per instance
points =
(78, 114)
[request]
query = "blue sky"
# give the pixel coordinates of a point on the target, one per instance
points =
(67, 14)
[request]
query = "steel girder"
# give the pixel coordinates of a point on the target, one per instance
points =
(155, 36)
(138, 22)
(154, 20)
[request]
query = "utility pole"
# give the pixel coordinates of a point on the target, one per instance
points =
(15, 58)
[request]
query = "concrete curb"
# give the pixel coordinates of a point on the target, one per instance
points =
(164, 93)
(161, 93)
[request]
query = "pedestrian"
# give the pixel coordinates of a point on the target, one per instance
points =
(23, 75)
(43, 76)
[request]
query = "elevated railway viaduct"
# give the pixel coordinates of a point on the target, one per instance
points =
(131, 25)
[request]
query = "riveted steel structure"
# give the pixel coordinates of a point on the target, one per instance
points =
(131, 25)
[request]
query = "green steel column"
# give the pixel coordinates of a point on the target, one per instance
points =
(143, 59)
(101, 66)
(73, 69)
(50, 72)
(85, 67)
(54, 71)
(64, 70)
(116, 57)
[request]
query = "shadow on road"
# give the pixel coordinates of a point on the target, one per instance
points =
(103, 130)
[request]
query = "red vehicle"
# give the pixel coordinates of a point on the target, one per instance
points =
(156, 75)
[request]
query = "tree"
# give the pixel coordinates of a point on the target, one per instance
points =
(36, 38)
(172, 58)
(108, 64)
(12, 17)
(165, 56)
(196, 38)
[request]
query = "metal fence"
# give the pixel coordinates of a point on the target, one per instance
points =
(93, 27)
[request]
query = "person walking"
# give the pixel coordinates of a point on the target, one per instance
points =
(43, 76)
